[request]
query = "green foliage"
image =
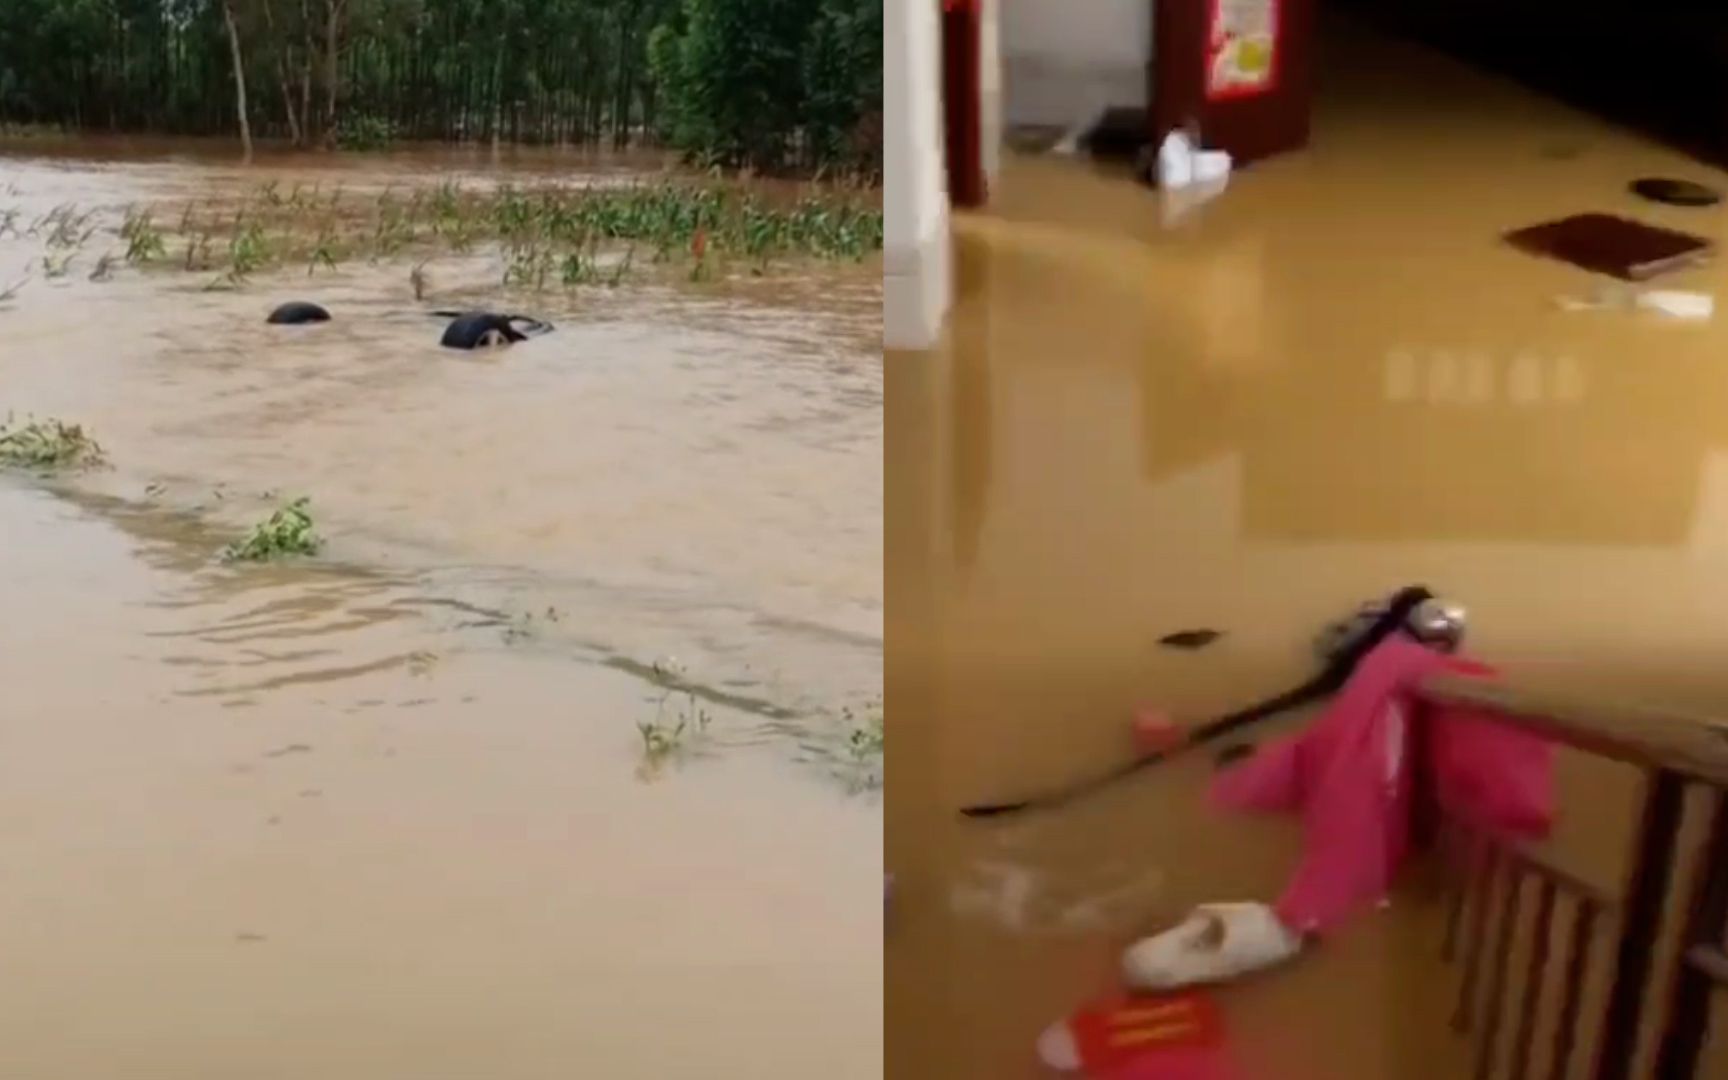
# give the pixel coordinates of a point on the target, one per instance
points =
(66, 227)
(249, 250)
(365, 132)
(197, 252)
(771, 84)
(326, 250)
(766, 83)
(672, 216)
(143, 239)
(578, 269)
(288, 531)
(47, 444)
(842, 83)
(528, 267)
(576, 236)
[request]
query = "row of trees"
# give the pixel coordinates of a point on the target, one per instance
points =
(773, 84)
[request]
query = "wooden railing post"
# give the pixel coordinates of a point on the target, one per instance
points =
(1673, 752)
(1577, 962)
(1538, 971)
(1706, 918)
(1640, 922)
(1425, 812)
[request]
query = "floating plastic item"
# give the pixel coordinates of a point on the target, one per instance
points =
(1217, 943)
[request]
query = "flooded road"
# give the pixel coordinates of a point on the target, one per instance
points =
(1332, 382)
(386, 813)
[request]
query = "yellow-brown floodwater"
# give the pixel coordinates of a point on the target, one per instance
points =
(379, 815)
(1332, 381)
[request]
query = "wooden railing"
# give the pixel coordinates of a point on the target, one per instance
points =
(1653, 1019)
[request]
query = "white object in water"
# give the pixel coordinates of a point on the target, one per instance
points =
(1181, 163)
(1678, 303)
(1069, 144)
(1175, 162)
(1188, 177)
(1619, 296)
(1057, 1048)
(1211, 166)
(1216, 943)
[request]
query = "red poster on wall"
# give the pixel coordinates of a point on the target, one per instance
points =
(1241, 49)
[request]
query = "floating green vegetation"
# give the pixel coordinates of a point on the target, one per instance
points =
(526, 627)
(865, 743)
(671, 732)
(288, 531)
(864, 735)
(47, 444)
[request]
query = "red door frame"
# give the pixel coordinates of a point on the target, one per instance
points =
(962, 37)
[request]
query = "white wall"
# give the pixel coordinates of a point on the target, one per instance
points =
(990, 102)
(1067, 59)
(916, 287)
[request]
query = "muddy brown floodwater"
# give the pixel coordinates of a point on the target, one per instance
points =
(1333, 381)
(380, 814)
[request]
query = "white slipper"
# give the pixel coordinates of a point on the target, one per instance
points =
(1216, 943)
(1057, 1048)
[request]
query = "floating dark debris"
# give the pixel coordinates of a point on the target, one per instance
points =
(1672, 192)
(1605, 244)
(1190, 639)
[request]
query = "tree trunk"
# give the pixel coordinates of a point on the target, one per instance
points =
(307, 52)
(497, 97)
(621, 100)
(332, 67)
(282, 75)
(294, 131)
(239, 79)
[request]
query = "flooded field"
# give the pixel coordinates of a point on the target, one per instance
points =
(387, 812)
(1332, 382)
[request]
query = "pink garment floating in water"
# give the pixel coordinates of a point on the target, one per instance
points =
(1349, 776)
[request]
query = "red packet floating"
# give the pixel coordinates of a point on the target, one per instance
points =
(1182, 1063)
(1116, 1034)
